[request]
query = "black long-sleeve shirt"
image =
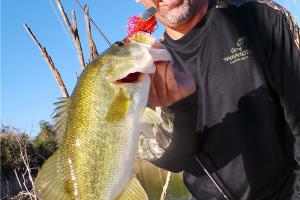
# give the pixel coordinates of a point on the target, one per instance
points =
(243, 122)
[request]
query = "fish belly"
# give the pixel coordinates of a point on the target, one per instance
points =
(98, 155)
(99, 161)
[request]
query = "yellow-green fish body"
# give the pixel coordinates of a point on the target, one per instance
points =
(99, 128)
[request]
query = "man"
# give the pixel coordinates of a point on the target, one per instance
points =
(234, 90)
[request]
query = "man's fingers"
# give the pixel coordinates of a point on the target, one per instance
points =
(160, 80)
(186, 83)
(153, 101)
(170, 79)
(168, 85)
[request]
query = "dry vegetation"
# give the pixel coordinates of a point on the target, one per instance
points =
(21, 157)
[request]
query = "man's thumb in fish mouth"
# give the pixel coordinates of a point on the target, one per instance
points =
(169, 85)
(159, 52)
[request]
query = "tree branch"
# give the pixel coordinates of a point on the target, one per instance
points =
(74, 32)
(164, 192)
(17, 177)
(23, 153)
(50, 63)
(92, 47)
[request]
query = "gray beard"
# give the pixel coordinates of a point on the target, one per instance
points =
(178, 14)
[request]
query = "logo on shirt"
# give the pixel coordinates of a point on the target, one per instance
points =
(239, 52)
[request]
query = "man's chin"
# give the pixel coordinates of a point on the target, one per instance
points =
(175, 20)
(172, 24)
(177, 13)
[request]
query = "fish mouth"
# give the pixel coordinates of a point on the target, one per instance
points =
(131, 78)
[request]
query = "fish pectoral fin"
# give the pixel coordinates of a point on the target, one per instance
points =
(47, 184)
(151, 116)
(133, 191)
(147, 130)
(148, 119)
(119, 107)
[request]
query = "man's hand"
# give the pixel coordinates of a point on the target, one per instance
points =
(168, 85)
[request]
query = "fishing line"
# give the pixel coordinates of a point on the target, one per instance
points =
(211, 178)
(61, 23)
(97, 28)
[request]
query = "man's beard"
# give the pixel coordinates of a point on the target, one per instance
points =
(178, 14)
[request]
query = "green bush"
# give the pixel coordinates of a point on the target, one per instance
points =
(38, 149)
(10, 151)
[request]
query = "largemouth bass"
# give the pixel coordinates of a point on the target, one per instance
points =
(98, 128)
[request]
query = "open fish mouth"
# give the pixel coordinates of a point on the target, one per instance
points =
(134, 75)
(136, 60)
(131, 78)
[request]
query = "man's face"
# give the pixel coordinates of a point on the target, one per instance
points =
(171, 11)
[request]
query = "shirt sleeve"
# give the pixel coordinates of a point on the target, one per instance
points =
(280, 37)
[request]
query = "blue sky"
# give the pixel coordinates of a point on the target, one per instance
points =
(28, 89)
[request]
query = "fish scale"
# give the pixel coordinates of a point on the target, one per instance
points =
(90, 148)
(99, 130)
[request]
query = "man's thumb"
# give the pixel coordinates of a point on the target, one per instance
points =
(160, 54)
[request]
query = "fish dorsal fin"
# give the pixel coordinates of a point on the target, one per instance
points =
(47, 184)
(60, 117)
(133, 191)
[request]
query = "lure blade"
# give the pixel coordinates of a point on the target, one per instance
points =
(150, 12)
